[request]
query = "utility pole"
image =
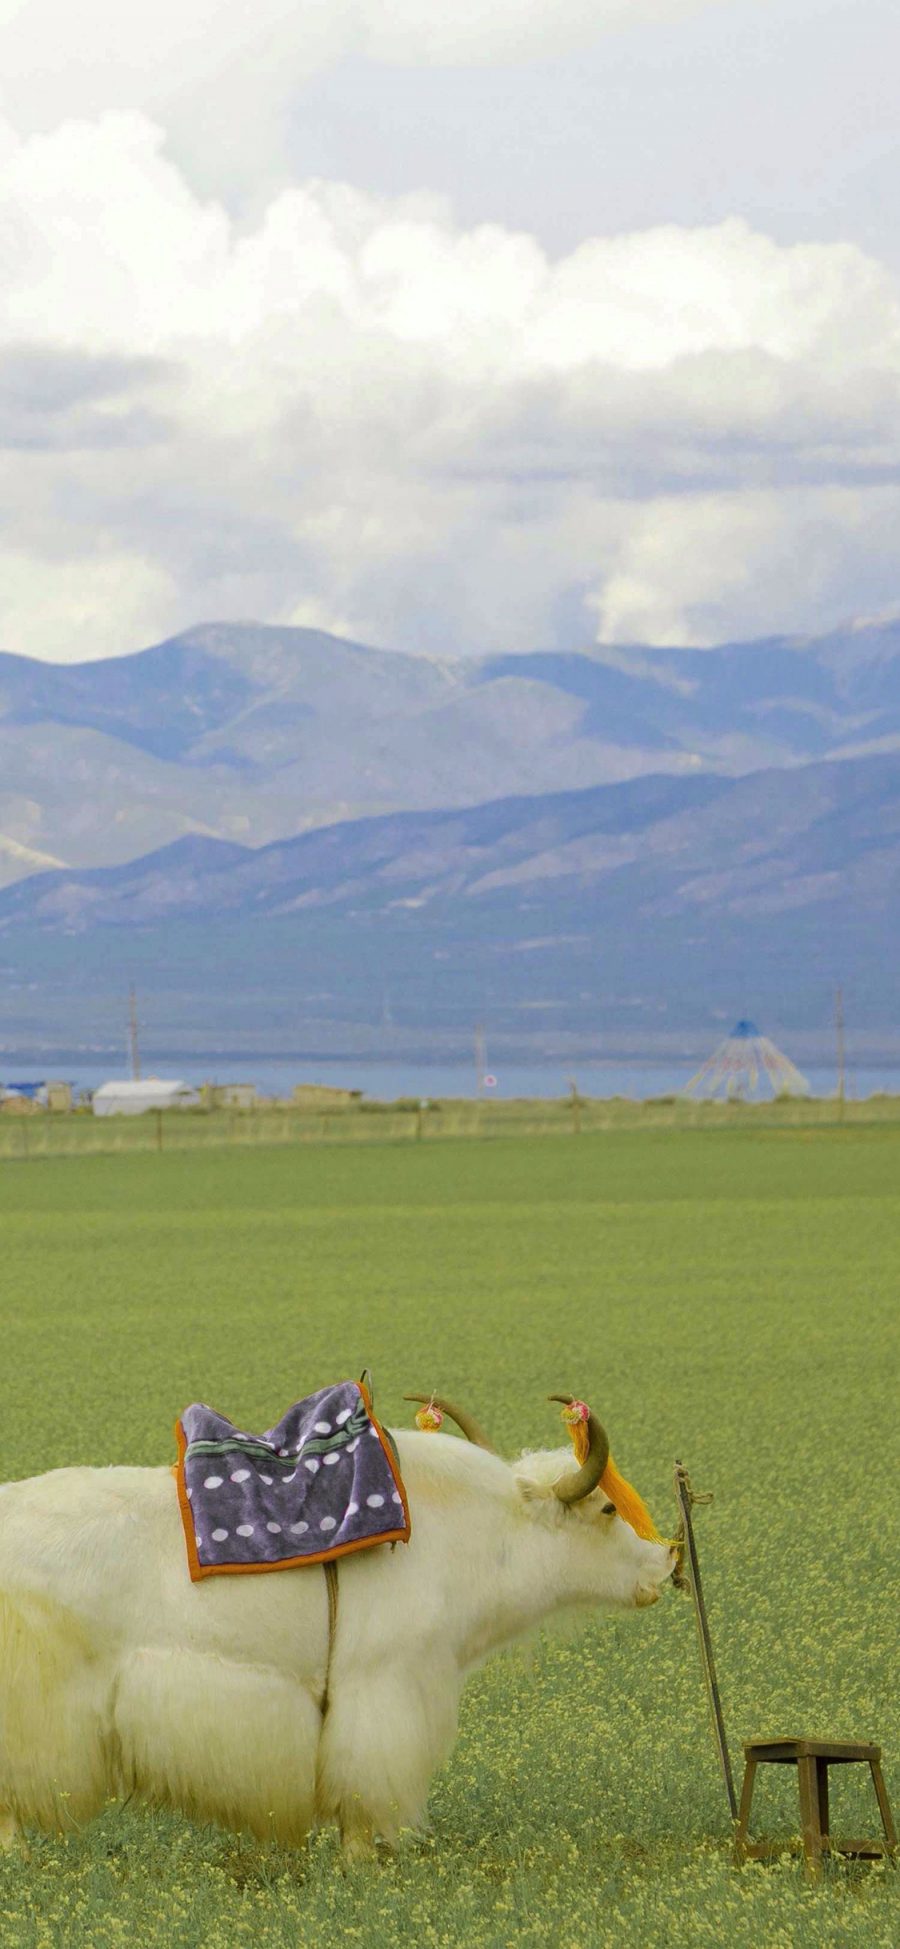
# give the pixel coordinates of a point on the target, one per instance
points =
(841, 1065)
(576, 1106)
(480, 1063)
(133, 1036)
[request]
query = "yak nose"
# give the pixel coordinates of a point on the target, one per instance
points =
(646, 1594)
(671, 1564)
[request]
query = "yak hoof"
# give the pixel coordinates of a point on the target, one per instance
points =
(357, 1845)
(11, 1835)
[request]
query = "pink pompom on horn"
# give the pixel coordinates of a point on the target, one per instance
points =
(429, 1419)
(575, 1412)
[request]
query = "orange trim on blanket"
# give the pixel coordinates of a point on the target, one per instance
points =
(200, 1570)
(187, 1521)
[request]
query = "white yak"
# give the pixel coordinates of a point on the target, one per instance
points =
(120, 1676)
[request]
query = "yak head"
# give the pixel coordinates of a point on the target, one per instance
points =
(611, 1549)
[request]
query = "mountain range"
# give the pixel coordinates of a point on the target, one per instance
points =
(635, 911)
(250, 734)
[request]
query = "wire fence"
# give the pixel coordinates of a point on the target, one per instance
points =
(39, 1134)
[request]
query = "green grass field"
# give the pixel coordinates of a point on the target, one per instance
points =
(727, 1296)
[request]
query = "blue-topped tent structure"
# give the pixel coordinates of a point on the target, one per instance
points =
(31, 1092)
(747, 1064)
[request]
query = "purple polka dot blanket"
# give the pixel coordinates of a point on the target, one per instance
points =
(322, 1482)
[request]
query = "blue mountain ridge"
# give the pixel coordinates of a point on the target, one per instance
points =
(172, 698)
(252, 734)
(637, 909)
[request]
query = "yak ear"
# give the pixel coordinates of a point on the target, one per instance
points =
(533, 1482)
(538, 1499)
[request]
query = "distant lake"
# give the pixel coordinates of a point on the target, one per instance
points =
(388, 1080)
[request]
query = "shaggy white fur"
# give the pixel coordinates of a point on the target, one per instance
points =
(118, 1675)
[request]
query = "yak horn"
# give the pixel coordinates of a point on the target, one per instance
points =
(463, 1420)
(574, 1488)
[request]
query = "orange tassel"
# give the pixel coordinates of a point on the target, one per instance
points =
(627, 1502)
(578, 1431)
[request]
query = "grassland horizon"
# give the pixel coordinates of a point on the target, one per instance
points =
(37, 1133)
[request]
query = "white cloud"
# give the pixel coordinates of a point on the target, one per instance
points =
(119, 600)
(419, 31)
(220, 75)
(358, 412)
(57, 61)
(704, 568)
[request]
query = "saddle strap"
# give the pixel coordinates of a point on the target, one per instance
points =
(331, 1585)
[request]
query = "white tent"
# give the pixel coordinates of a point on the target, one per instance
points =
(132, 1099)
(745, 1064)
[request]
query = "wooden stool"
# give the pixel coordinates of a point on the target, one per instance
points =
(812, 1758)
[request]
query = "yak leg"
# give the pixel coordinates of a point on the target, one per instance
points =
(357, 1834)
(222, 1741)
(54, 1702)
(384, 1735)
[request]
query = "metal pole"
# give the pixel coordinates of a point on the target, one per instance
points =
(133, 1036)
(576, 1107)
(689, 1568)
(841, 1064)
(480, 1063)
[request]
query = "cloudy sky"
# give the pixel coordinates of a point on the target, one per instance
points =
(450, 328)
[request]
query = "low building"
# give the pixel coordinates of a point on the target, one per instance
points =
(152, 1093)
(14, 1104)
(321, 1096)
(19, 1099)
(59, 1096)
(36, 1096)
(231, 1096)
